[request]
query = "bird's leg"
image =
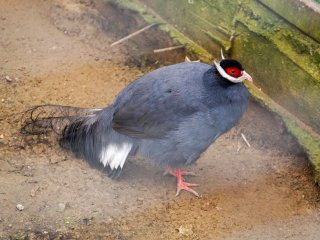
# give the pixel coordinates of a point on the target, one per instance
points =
(173, 172)
(181, 185)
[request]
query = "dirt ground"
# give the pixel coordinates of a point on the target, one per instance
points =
(59, 52)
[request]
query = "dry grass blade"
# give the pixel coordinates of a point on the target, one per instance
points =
(168, 49)
(245, 140)
(133, 34)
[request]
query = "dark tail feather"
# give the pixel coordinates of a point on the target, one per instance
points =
(79, 137)
(79, 130)
(45, 119)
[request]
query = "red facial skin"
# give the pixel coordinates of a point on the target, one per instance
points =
(233, 72)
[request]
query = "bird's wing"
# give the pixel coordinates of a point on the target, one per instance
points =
(144, 113)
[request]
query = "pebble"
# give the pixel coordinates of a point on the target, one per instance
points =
(20, 207)
(140, 201)
(186, 230)
(33, 192)
(61, 207)
(8, 78)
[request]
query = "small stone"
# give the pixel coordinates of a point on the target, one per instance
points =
(1, 136)
(8, 78)
(22, 68)
(33, 192)
(31, 236)
(186, 230)
(20, 207)
(61, 207)
(87, 221)
(140, 201)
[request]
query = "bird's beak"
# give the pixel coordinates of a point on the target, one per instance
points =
(246, 76)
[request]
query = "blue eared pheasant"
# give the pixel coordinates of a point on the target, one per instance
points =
(170, 116)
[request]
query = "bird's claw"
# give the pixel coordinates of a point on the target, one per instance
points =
(188, 174)
(185, 186)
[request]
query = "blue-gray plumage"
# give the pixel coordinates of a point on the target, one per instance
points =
(169, 116)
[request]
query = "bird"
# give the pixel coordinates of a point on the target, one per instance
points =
(169, 116)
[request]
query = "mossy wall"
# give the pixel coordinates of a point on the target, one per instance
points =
(302, 14)
(277, 42)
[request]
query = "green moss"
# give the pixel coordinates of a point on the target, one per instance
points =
(298, 47)
(301, 14)
(225, 44)
(279, 77)
(311, 144)
(316, 56)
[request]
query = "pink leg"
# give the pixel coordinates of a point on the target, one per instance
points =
(173, 172)
(181, 185)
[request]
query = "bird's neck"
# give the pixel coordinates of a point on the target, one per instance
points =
(212, 78)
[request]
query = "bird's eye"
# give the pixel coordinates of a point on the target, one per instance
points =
(233, 72)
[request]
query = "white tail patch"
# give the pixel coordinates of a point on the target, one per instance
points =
(115, 155)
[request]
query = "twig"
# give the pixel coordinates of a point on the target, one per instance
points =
(245, 140)
(168, 49)
(133, 34)
(239, 147)
(187, 59)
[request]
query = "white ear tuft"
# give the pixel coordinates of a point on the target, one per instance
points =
(230, 78)
(222, 54)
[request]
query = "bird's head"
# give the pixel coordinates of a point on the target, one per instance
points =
(232, 70)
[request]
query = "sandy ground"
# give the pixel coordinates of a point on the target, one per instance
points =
(59, 52)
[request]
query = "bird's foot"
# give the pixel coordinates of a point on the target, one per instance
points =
(181, 185)
(185, 186)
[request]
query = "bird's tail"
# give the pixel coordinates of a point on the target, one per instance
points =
(44, 119)
(85, 132)
(61, 121)
(80, 136)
